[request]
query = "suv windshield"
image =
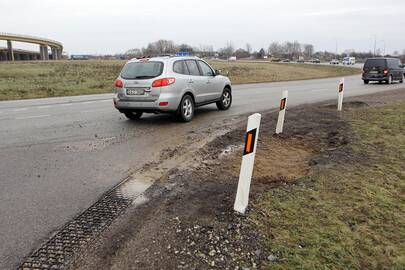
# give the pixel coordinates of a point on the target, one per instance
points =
(142, 70)
(375, 63)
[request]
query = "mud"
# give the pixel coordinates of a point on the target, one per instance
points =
(188, 221)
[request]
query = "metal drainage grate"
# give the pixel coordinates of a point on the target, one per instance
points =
(59, 251)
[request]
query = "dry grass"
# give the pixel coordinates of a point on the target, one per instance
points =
(345, 216)
(23, 80)
(256, 72)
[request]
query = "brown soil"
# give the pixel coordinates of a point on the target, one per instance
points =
(278, 158)
(188, 222)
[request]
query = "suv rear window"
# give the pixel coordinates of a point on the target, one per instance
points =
(180, 67)
(142, 70)
(370, 63)
(193, 68)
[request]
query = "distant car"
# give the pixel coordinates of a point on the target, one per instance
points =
(349, 61)
(315, 60)
(286, 61)
(334, 62)
(232, 58)
(300, 61)
(383, 70)
(170, 84)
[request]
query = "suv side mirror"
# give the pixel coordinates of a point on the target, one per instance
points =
(217, 72)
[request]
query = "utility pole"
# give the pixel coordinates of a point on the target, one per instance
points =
(336, 53)
(375, 44)
(384, 46)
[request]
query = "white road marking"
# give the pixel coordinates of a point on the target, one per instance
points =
(20, 110)
(319, 90)
(88, 102)
(88, 111)
(66, 104)
(45, 106)
(33, 116)
(107, 100)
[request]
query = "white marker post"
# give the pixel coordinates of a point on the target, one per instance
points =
(341, 90)
(248, 160)
(281, 114)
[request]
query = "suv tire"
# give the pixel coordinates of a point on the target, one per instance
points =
(133, 115)
(226, 100)
(366, 81)
(402, 79)
(186, 109)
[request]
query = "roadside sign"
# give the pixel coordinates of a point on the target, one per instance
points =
(281, 114)
(341, 90)
(248, 160)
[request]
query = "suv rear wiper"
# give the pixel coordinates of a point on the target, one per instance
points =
(144, 77)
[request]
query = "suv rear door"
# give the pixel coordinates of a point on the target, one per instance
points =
(375, 67)
(196, 81)
(138, 78)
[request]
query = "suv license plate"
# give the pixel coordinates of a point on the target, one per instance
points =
(135, 92)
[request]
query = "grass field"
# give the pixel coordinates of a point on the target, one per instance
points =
(23, 80)
(347, 216)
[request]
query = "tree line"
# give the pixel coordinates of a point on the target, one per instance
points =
(285, 50)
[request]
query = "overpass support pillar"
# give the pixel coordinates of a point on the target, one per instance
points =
(56, 55)
(10, 51)
(43, 51)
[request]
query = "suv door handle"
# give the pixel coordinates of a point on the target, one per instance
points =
(190, 81)
(208, 82)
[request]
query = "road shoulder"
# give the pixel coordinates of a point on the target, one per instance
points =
(188, 220)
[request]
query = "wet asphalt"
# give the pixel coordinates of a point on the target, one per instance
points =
(59, 155)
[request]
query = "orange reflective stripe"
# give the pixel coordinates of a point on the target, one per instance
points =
(282, 106)
(249, 142)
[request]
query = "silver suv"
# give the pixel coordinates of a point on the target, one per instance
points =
(170, 84)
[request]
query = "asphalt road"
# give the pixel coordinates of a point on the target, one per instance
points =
(58, 155)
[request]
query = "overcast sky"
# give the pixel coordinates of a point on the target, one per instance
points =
(114, 26)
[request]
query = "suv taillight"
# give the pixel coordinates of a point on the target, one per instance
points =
(118, 84)
(163, 82)
(386, 72)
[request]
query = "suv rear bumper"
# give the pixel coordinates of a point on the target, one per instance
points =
(149, 106)
(375, 78)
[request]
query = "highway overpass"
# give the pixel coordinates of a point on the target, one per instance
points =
(44, 45)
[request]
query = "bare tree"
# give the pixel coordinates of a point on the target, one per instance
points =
(248, 48)
(228, 50)
(308, 50)
(134, 52)
(165, 46)
(296, 49)
(150, 50)
(275, 49)
(185, 48)
(241, 53)
(206, 50)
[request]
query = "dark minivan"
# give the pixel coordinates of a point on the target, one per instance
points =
(383, 70)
